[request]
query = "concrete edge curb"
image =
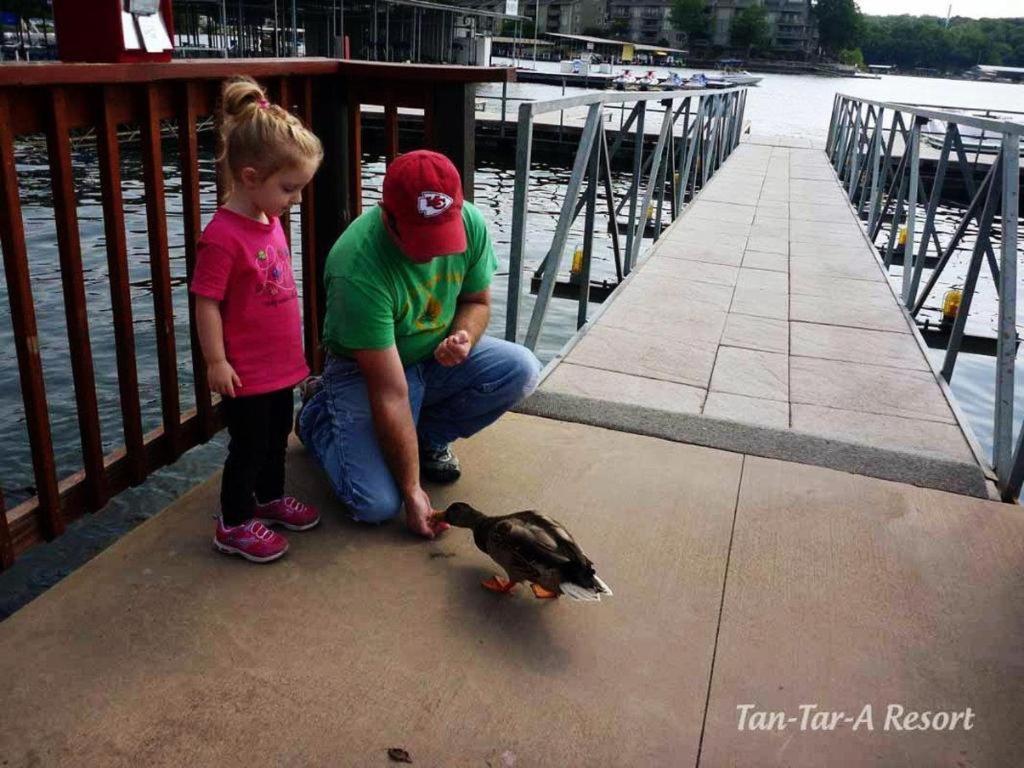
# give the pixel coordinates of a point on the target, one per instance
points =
(787, 445)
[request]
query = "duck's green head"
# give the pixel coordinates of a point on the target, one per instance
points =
(462, 515)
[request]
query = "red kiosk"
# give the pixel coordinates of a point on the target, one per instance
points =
(114, 31)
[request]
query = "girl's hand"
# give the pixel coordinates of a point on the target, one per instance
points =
(222, 378)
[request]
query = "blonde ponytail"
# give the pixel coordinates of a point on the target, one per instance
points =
(261, 135)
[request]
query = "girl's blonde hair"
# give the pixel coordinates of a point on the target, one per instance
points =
(255, 133)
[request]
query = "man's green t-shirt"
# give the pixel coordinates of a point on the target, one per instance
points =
(376, 297)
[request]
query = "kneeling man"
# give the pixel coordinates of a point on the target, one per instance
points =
(409, 368)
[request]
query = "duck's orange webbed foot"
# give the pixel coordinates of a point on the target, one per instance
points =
(498, 584)
(543, 594)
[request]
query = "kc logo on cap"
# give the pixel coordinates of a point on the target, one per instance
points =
(430, 204)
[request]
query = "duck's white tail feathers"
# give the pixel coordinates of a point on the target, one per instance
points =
(583, 594)
(602, 587)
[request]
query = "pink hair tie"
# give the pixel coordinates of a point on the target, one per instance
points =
(263, 104)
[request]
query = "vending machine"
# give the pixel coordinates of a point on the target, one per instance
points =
(114, 31)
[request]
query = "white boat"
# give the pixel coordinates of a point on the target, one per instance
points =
(975, 140)
(741, 78)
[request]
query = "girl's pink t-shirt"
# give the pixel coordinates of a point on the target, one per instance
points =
(246, 266)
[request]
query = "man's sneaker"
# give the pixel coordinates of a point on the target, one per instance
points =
(252, 540)
(288, 512)
(439, 465)
(308, 387)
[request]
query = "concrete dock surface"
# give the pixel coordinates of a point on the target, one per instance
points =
(762, 322)
(738, 580)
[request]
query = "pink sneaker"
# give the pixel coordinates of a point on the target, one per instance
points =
(288, 512)
(252, 540)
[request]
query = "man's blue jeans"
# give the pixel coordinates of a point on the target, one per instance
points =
(447, 403)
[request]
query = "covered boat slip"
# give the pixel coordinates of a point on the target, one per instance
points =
(738, 580)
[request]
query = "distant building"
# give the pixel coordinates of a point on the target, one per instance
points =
(566, 17)
(644, 21)
(790, 22)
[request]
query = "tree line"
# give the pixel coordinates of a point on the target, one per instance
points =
(844, 33)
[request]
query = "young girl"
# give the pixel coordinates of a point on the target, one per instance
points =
(247, 314)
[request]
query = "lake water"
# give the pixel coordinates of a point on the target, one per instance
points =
(780, 105)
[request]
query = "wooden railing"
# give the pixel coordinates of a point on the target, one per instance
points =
(59, 101)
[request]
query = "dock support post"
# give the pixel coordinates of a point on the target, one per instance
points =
(554, 255)
(876, 165)
(915, 180)
(929, 222)
(854, 155)
(971, 281)
(524, 146)
(638, 160)
(588, 232)
(457, 104)
(1006, 343)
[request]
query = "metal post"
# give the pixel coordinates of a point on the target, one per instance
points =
(639, 225)
(295, 31)
(855, 155)
(524, 145)
(1006, 344)
(970, 282)
(554, 255)
(876, 165)
(929, 222)
(504, 102)
(588, 232)
(915, 177)
(638, 159)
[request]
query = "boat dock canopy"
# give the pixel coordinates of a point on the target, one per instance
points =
(663, 50)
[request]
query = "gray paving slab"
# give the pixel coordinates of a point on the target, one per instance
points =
(770, 243)
(752, 373)
(752, 332)
(747, 410)
(777, 262)
(856, 345)
(684, 322)
(849, 311)
(868, 388)
(622, 388)
(929, 438)
(640, 354)
(687, 270)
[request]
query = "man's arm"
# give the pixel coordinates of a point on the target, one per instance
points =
(472, 314)
(396, 431)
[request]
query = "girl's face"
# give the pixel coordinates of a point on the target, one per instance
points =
(280, 191)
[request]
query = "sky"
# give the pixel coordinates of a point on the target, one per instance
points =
(975, 9)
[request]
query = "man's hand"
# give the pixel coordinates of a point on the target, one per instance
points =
(421, 517)
(222, 378)
(454, 349)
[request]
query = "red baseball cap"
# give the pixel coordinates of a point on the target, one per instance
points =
(423, 196)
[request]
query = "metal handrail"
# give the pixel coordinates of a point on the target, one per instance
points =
(677, 168)
(861, 145)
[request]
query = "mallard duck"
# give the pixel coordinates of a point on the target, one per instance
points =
(531, 547)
